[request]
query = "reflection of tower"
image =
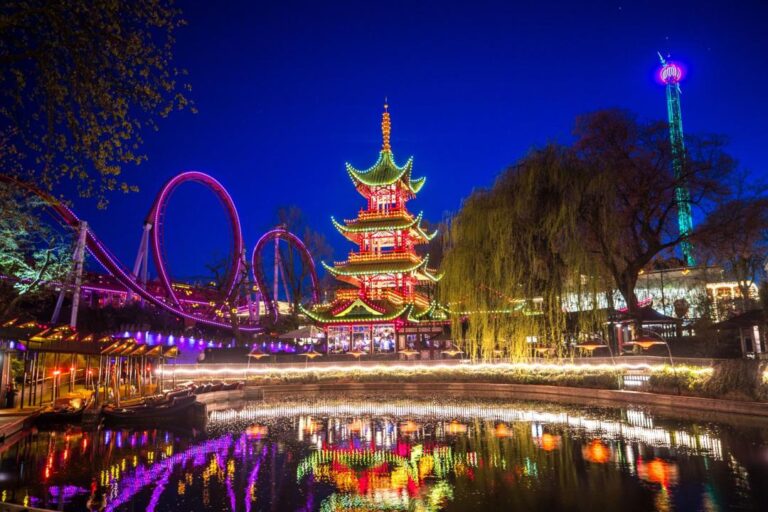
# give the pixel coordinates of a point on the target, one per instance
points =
(671, 74)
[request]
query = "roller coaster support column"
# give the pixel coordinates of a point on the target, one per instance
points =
(76, 277)
(275, 286)
(79, 263)
(142, 259)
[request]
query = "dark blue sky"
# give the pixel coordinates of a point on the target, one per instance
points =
(289, 91)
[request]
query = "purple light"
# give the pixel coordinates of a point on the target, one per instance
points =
(671, 73)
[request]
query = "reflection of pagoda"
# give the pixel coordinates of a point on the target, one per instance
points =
(385, 307)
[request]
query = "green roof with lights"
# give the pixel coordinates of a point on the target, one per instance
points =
(384, 224)
(386, 172)
(376, 267)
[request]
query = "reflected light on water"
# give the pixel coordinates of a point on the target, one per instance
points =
(596, 452)
(381, 455)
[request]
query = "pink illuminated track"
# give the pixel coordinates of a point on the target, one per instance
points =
(257, 261)
(112, 265)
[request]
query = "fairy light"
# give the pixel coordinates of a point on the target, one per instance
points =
(459, 369)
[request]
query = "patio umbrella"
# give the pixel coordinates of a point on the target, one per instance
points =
(257, 353)
(357, 353)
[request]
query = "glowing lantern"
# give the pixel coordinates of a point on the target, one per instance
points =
(502, 430)
(658, 471)
(596, 452)
(548, 442)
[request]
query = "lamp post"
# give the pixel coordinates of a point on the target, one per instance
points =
(649, 339)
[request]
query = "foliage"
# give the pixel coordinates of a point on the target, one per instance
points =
(80, 81)
(738, 378)
(32, 254)
(514, 254)
(742, 251)
(567, 226)
(680, 379)
(628, 207)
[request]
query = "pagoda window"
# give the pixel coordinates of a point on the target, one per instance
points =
(383, 338)
(338, 339)
(361, 338)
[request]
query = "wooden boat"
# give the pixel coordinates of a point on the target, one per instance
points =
(63, 410)
(180, 407)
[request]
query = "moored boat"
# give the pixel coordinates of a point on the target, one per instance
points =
(63, 410)
(175, 406)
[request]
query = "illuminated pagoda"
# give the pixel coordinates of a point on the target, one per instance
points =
(385, 307)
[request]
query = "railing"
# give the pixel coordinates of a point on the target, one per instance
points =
(364, 257)
(396, 212)
(631, 364)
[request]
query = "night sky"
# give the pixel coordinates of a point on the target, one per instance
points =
(289, 91)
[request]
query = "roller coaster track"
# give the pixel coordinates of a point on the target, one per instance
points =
(125, 277)
(278, 234)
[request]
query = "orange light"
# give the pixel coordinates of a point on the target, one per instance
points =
(409, 427)
(597, 452)
(56, 372)
(548, 442)
(257, 431)
(502, 430)
(658, 471)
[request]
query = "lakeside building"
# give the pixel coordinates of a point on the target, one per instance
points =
(387, 307)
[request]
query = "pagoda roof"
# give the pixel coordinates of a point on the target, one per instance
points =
(436, 312)
(386, 172)
(360, 310)
(376, 267)
(383, 224)
(357, 311)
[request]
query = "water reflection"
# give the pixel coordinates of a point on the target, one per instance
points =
(374, 455)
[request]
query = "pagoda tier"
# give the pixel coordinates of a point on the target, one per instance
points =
(396, 226)
(385, 272)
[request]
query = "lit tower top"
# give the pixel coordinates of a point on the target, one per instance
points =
(671, 74)
(386, 278)
(386, 128)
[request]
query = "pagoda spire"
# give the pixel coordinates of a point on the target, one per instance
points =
(386, 128)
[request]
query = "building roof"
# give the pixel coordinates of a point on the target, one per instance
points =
(648, 315)
(386, 172)
(357, 311)
(743, 320)
(395, 222)
(377, 267)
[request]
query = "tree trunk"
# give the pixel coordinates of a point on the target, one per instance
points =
(627, 282)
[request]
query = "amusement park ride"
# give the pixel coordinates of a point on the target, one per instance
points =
(385, 274)
(170, 296)
(670, 74)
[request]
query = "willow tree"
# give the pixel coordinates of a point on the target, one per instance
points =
(567, 226)
(515, 259)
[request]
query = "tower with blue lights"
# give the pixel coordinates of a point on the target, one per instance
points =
(671, 74)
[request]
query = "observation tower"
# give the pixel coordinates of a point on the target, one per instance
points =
(671, 74)
(383, 308)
